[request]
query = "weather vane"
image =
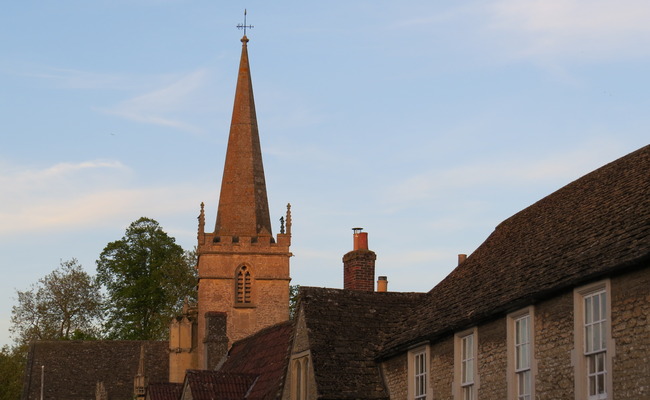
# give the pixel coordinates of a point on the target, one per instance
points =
(244, 26)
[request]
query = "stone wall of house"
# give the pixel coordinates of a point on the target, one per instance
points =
(554, 332)
(394, 371)
(631, 335)
(492, 360)
(442, 369)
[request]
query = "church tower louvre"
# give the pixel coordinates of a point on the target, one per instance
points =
(243, 270)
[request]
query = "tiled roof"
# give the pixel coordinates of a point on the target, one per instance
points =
(596, 226)
(164, 391)
(346, 329)
(265, 355)
(73, 368)
(213, 385)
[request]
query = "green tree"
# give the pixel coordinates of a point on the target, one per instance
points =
(146, 276)
(12, 366)
(64, 303)
(294, 296)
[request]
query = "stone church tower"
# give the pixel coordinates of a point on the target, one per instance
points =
(243, 270)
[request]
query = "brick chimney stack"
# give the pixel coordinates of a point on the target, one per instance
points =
(359, 264)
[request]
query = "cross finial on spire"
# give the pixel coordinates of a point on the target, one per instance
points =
(244, 26)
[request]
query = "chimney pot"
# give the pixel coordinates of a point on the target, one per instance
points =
(382, 284)
(360, 239)
(461, 258)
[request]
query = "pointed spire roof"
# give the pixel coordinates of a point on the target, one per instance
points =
(243, 204)
(141, 362)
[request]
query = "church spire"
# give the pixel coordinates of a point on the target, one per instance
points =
(243, 270)
(243, 204)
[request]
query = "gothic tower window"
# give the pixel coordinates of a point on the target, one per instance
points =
(243, 283)
(300, 376)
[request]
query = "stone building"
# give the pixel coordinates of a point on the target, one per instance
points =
(555, 304)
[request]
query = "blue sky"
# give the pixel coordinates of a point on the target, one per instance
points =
(426, 123)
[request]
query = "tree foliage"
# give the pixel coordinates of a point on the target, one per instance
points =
(294, 297)
(146, 276)
(64, 303)
(12, 365)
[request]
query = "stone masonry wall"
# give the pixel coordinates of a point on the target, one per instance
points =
(553, 348)
(631, 334)
(442, 369)
(395, 377)
(492, 360)
(269, 267)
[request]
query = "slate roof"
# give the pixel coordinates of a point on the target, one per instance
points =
(346, 330)
(596, 226)
(73, 368)
(211, 385)
(164, 391)
(264, 355)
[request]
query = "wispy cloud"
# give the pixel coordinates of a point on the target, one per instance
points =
(66, 78)
(20, 179)
(509, 174)
(163, 106)
(575, 28)
(77, 79)
(68, 196)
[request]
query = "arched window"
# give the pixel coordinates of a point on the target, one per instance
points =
(298, 380)
(243, 285)
(300, 377)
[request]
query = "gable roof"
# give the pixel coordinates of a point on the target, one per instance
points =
(210, 385)
(72, 369)
(346, 330)
(264, 355)
(596, 226)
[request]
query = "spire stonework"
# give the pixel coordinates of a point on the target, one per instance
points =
(241, 254)
(243, 205)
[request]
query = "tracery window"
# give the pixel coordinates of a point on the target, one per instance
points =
(243, 289)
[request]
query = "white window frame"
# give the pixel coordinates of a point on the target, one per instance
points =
(596, 326)
(516, 371)
(466, 355)
(419, 365)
